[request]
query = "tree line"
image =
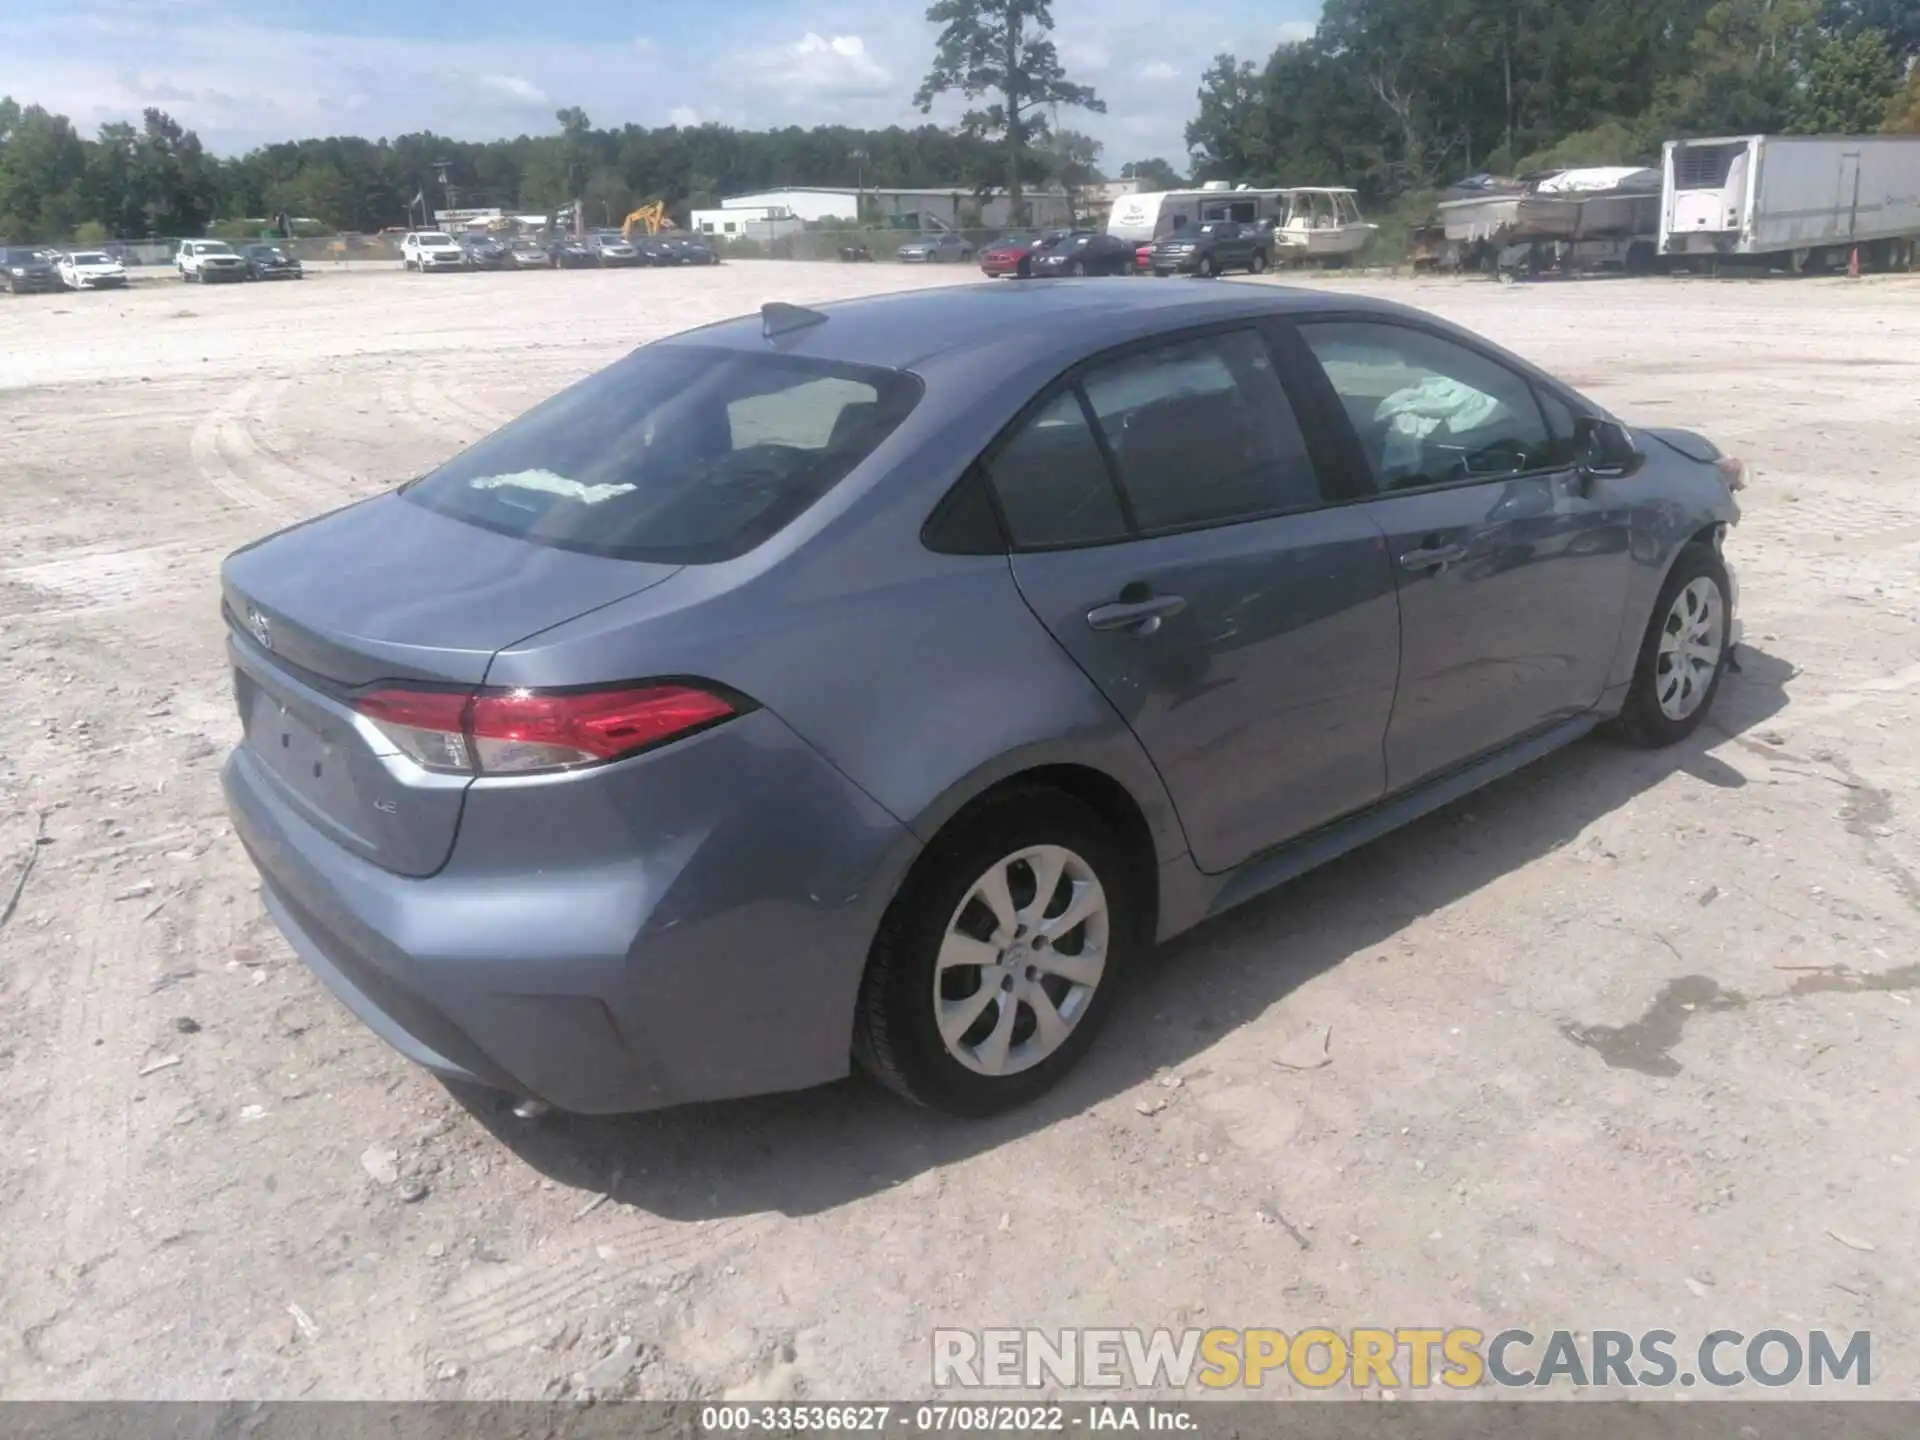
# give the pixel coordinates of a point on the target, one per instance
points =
(1397, 97)
(1394, 97)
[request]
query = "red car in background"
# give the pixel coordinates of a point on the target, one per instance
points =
(1011, 254)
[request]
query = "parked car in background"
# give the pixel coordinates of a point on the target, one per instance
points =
(692, 250)
(31, 271)
(270, 262)
(1212, 247)
(1083, 252)
(612, 249)
(530, 255)
(936, 249)
(209, 262)
(91, 270)
(571, 252)
(429, 250)
(1009, 254)
(1253, 576)
(485, 252)
(855, 254)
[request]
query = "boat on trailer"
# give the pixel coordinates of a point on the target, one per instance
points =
(1320, 223)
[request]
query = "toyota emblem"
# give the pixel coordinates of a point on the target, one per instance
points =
(262, 631)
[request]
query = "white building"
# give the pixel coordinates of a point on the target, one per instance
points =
(953, 207)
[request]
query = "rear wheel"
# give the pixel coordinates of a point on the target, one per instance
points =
(1000, 958)
(1683, 654)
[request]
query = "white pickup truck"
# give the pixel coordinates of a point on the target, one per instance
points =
(208, 262)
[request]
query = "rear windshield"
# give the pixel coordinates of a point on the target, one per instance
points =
(676, 454)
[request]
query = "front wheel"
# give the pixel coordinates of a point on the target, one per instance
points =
(1683, 655)
(1205, 268)
(1258, 265)
(1000, 957)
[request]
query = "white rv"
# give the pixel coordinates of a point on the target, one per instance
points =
(1810, 199)
(1155, 215)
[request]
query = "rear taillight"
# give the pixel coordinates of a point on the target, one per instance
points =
(1734, 471)
(519, 732)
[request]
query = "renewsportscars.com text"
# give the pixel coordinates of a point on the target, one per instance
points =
(1415, 1358)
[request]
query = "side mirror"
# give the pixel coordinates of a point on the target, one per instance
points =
(1607, 451)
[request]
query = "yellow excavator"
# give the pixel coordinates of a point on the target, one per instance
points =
(650, 219)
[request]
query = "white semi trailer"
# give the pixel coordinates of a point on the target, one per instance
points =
(1806, 200)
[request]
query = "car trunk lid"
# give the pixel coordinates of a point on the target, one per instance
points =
(426, 602)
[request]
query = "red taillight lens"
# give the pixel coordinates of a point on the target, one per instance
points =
(428, 725)
(518, 732)
(522, 730)
(1734, 471)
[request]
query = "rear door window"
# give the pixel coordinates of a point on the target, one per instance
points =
(677, 454)
(1052, 482)
(1202, 433)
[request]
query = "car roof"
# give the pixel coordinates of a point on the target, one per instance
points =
(1068, 318)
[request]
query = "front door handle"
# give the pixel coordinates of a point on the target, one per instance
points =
(1140, 617)
(1434, 558)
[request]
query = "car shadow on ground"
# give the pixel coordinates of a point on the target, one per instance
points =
(802, 1153)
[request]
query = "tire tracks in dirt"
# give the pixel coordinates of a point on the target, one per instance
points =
(428, 405)
(495, 1310)
(230, 455)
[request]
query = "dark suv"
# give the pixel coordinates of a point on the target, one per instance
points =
(1212, 247)
(26, 269)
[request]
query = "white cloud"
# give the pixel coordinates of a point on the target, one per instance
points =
(514, 88)
(833, 63)
(1292, 32)
(814, 65)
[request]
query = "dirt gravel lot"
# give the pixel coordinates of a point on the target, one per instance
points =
(1628, 1040)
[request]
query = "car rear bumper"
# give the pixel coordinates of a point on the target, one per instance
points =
(574, 952)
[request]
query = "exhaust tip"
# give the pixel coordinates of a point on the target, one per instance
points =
(530, 1109)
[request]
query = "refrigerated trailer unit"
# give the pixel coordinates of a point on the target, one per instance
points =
(1807, 199)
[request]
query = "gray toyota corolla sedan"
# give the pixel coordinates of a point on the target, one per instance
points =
(872, 684)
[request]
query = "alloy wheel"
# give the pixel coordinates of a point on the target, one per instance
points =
(1021, 958)
(1692, 638)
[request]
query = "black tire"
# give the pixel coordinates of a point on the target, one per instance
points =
(1641, 721)
(1205, 268)
(896, 1035)
(1257, 265)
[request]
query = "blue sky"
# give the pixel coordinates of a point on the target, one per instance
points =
(246, 71)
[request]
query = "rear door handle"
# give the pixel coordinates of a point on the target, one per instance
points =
(1432, 557)
(1142, 617)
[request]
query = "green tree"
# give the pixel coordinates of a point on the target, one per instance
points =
(1002, 48)
(1849, 83)
(1154, 174)
(1073, 163)
(1903, 110)
(1228, 137)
